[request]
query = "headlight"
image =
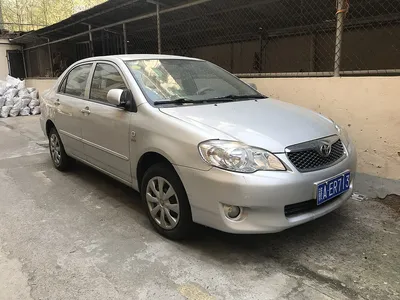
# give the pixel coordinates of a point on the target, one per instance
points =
(238, 157)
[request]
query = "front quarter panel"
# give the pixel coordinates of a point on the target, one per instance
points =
(47, 108)
(174, 139)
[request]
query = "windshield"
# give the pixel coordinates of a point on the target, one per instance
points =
(167, 80)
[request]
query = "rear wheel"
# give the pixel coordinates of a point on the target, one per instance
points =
(59, 157)
(166, 202)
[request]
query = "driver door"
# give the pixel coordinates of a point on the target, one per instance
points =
(106, 128)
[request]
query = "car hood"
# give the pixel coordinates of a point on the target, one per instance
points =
(269, 124)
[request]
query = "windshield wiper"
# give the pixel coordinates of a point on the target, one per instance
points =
(238, 97)
(176, 101)
(190, 101)
(228, 98)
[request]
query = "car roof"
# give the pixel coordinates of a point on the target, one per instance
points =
(126, 57)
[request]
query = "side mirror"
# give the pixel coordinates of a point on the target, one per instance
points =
(114, 96)
(122, 98)
(253, 85)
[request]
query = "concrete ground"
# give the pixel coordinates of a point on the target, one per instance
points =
(82, 235)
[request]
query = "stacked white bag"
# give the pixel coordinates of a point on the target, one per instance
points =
(16, 99)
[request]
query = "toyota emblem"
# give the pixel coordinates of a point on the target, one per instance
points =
(325, 149)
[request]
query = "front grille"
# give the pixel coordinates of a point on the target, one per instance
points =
(304, 207)
(310, 159)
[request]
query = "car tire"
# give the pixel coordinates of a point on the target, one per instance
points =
(168, 206)
(60, 159)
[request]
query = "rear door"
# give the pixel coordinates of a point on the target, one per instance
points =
(105, 127)
(68, 102)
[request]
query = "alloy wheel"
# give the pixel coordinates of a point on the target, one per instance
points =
(55, 149)
(162, 202)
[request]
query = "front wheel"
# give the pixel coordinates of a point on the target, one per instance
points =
(59, 157)
(166, 202)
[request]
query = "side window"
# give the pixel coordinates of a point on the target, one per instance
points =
(105, 78)
(76, 81)
(61, 88)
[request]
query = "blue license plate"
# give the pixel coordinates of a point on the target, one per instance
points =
(333, 187)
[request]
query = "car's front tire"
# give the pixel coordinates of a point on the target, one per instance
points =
(57, 152)
(166, 202)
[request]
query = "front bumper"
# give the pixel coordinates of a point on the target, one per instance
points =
(263, 195)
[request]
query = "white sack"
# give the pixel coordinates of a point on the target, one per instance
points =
(23, 93)
(34, 102)
(13, 81)
(21, 85)
(5, 110)
(25, 111)
(9, 102)
(11, 93)
(34, 94)
(16, 108)
(26, 101)
(4, 86)
(35, 110)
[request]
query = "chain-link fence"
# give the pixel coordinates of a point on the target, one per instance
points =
(371, 38)
(280, 37)
(289, 36)
(262, 37)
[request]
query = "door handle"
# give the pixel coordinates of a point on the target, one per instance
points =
(57, 102)
(86, 110)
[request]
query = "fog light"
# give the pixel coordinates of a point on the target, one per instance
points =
(232, 212)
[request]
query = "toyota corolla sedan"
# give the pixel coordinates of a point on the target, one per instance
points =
(200, 145)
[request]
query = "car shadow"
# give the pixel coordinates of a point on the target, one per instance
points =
(274, 245)
(121, 194)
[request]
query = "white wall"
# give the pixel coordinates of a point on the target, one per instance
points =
(4, 46)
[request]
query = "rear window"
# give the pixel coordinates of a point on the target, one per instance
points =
(75, 84)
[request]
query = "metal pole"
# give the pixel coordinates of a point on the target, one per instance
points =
(50, 58)
(312, 53)
(125, 40)
(29, 63)
(40, 63)
(23, 61)
(103, 44)
(288, 74)
(371, 72)
(158, 28)
(340, 14)
(260, 58)
(91, 50)
(232, 58)
(319, 74)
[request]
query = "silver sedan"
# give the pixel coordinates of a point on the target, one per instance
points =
(200, 145)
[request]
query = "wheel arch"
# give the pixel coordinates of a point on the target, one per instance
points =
(147, 160)
(49, 126)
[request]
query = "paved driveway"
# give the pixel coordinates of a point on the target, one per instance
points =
(81, 235)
